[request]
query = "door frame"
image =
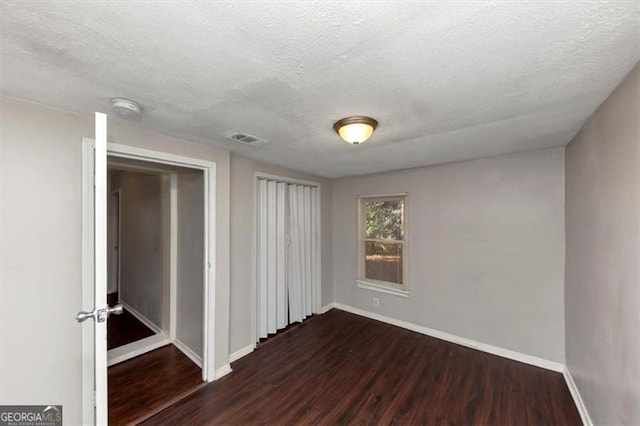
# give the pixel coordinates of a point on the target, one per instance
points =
(117, 193)
(209, 261)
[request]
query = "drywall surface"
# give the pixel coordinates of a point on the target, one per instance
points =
(486, 249)
(40, 240)
(143, 232)
(243, 287)
(40, 248)
(602, 292)
(190, 288)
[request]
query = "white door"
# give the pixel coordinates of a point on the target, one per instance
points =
(97, 282)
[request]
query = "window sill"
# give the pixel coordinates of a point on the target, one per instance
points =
(367, 285)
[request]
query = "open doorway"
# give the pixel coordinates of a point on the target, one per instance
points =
(96, 375)
(156, 250)
(127, 327)
(139, 264)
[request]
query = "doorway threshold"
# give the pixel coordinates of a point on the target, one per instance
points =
(134, 349)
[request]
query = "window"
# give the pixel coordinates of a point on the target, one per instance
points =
(382, 247)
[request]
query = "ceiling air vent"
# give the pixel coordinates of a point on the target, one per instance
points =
(247, 139)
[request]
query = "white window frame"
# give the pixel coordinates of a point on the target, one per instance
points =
(377, 285)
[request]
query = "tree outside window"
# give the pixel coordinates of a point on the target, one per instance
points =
(382, 248)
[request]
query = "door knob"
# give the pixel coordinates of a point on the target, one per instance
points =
(116, 310)
(84, 315)
(99, 315)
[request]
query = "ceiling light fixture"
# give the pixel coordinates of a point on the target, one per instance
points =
(355, 130)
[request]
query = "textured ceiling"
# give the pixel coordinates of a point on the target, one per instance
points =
(447, 81)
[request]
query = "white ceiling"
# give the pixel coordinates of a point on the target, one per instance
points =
(447, 81)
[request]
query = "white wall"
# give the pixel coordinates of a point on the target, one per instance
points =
(243, 289)
(602, 294)
(40, 256)
(486, 249)
(143, 228)
(40, 243)
(190, 290)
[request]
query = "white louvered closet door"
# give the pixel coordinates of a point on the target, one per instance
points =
(295, 280)
(271, 259)
(288, 254)
(282, 303)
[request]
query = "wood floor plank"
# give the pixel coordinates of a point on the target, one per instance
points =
(340, 368)
(146, 383)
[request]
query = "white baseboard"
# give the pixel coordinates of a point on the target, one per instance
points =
(222, 371)
(327, 308)
(197, 359)
(134, 349)
(141, 317)
(495, 350)
(577, 398)
(241, 352)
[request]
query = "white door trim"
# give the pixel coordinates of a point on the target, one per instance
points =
(209, 171)
(119, 237)
(173, 256)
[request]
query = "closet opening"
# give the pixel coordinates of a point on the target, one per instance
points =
(287, 268)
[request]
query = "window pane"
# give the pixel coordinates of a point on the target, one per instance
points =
(383, 261)
(384, 219)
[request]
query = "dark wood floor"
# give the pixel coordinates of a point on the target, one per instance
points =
(145, 384)
(339, 368)
(124, 328)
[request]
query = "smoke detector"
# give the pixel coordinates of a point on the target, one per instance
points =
(247, 139)
(126, 107)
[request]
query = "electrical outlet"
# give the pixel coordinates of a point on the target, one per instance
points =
(376, 301)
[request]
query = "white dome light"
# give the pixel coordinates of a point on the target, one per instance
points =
(355, 130)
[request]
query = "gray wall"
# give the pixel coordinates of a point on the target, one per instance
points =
(40, 248)
(243, 289)
(143, 232)
(486, 249)
(190, 290)
(602, 293)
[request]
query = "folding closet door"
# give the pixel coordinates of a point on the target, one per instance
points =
(288, 256)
